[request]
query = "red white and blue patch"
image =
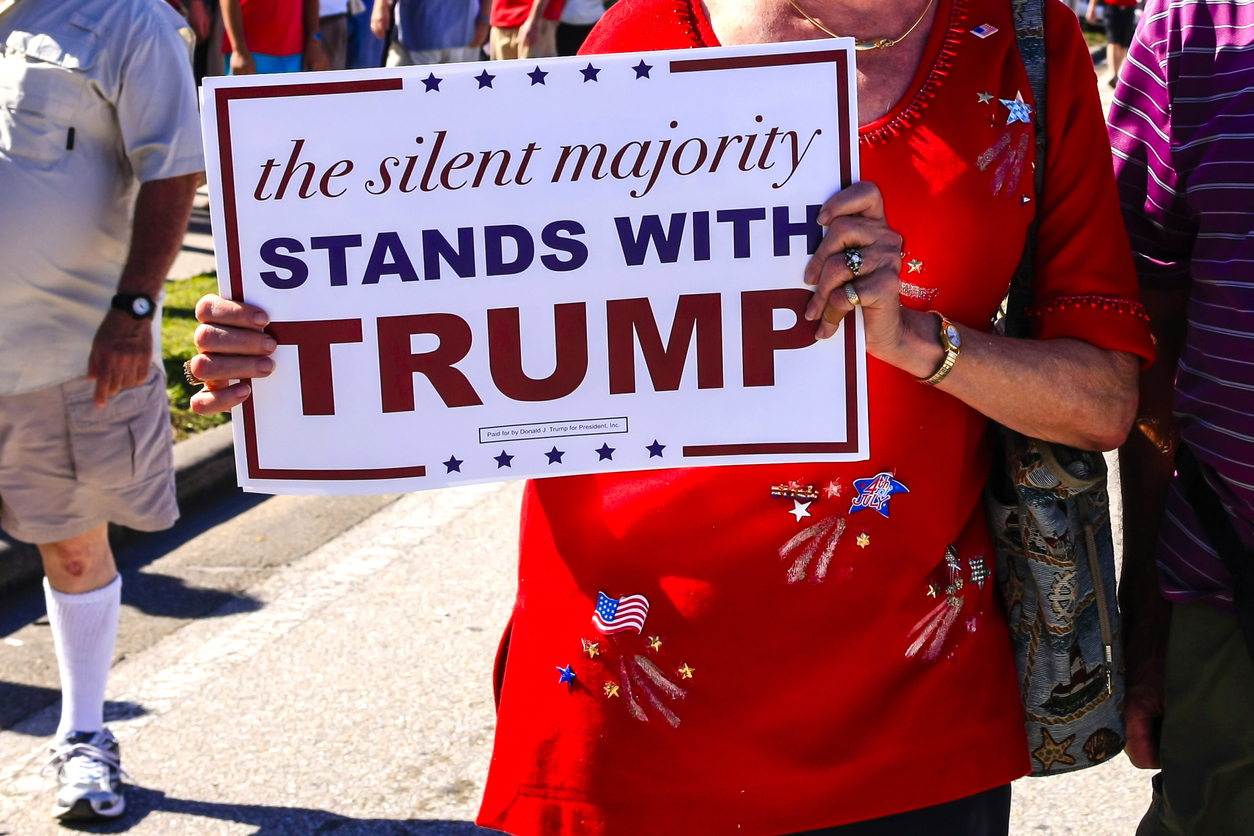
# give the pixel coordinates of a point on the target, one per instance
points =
(984, 30)
(875, 493)
(614, 615)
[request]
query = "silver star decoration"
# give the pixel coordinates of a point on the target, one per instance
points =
(800, 509)
(985, 98)
(1020, 111)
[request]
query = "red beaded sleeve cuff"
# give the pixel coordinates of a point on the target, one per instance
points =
(1104, 321)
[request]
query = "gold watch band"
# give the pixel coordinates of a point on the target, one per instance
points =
(952, 343)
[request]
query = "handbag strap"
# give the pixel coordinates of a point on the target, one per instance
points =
(1029, 22)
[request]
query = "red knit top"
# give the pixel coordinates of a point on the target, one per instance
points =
(808, 665)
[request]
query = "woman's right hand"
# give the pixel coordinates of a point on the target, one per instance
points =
(233, 345)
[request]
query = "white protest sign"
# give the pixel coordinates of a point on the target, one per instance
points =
(492, 271)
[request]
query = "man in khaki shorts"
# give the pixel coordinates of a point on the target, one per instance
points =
(524, 28)
(100, 157)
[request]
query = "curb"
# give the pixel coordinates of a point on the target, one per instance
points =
(1098, 53)
(203, 465)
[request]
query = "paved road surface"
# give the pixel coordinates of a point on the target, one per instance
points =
(347, 690)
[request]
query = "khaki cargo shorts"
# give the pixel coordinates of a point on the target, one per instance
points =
(66, 467)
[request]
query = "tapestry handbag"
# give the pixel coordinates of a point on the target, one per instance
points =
(1049, 513)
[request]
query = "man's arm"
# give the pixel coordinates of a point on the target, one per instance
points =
(122, 349)
(528, 32)
(483, 26)
(233, 22)
(315, 58)
(1146, 467)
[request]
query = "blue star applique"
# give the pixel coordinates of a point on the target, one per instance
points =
(432, 83)
(589, 73)
(453, 464)
(485, 79)
(537, 76)
(642, 69)
(503, 460)
(1020, 111)
(655, 449)
(566, 675)
(555, 455)
(605, 452)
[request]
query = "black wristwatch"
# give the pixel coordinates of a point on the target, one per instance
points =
(138, 305)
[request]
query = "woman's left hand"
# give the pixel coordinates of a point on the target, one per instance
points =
(854, 218)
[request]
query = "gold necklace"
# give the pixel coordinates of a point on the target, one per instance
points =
(864, 46)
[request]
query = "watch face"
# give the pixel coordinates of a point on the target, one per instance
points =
(951, 333)
(141, 307)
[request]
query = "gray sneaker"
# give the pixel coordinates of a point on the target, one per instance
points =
(89, 776)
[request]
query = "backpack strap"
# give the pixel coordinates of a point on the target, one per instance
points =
(1029, 21)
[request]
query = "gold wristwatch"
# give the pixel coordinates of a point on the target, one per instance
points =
(952, 343)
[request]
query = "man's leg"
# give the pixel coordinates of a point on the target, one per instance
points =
(84, 594)
(504, 43)
(1206, 787)
(1117, 54)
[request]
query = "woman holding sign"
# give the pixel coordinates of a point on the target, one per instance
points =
(779, 649)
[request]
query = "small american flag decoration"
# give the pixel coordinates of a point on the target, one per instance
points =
(614, 615)
(984, 30)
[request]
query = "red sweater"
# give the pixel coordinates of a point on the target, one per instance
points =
(510, 14)
(798, 674)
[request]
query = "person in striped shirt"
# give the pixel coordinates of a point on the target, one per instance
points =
(1180, 127)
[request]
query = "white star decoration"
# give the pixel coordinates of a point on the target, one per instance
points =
(1020, 111)
(800, 509)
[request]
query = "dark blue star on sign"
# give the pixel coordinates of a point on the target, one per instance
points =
(1020, 111)
(485, 79)
(566, 675)
(555, 455)
(875, 492)
(537, 76)
(642, 69)
(432, 83)
(605, 451)
(590, 73)
(655, 449)
(453, 464)
(503, 460)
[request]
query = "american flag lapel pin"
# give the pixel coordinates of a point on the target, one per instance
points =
(615, 615)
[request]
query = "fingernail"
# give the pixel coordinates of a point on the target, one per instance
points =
(811, 316)
(260, 320)
(247, 390)
(269, 344)
(265, 366)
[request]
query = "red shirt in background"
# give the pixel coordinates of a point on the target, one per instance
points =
(271, 27)
(509, 14)
(795, 674)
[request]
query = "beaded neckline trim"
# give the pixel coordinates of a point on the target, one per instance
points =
(1105, 303)
(927, 92)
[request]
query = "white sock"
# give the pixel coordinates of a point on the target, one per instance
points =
(84, 628)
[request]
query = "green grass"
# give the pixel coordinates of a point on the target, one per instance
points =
(177, 328)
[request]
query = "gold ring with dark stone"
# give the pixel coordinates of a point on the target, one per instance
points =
(191, 378)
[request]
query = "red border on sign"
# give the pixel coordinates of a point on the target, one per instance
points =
(222, 102)
(850, 445)
(223, 98)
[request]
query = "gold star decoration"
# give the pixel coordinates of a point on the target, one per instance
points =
(655, 643)
(611, 689)
(591, 648)
(932, 590)
(864, 540)
(915, 265)
(985, 98)
(1054, 751)
(833, 489)
(686, 672)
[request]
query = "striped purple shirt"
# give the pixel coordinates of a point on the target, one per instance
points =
(1182, 129)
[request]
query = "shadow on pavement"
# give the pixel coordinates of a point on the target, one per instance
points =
(277, 821)
(171, 597)
(20, 701)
